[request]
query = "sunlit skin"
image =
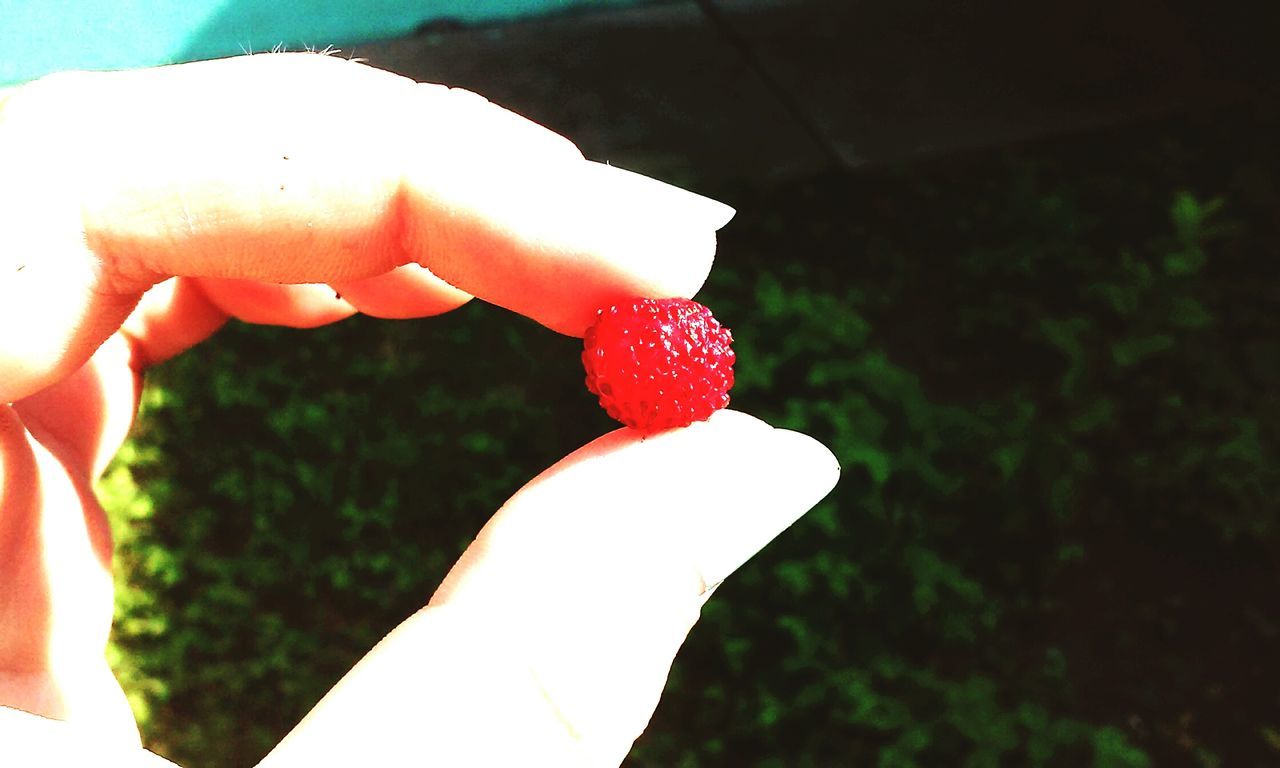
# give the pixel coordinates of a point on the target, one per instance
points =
(140, 211)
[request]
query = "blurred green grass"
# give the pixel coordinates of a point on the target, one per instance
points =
(1048, 372)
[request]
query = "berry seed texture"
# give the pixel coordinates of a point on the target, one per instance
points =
(659, 363)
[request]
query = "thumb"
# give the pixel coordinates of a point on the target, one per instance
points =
(550, 641)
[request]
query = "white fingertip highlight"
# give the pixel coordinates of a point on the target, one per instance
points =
(556, 242)
(711, 495)
(796, 472)
(645, 193)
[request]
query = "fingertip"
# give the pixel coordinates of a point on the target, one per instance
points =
(766, 480)
(556, 243)
(643, 192)
(813, 465)
(658, 263)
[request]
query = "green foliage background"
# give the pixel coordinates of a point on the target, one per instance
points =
(1048, 373)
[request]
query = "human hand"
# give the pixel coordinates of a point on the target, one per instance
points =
(140, 210)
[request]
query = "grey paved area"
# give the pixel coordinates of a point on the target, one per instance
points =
(884, 81)
(655, 88)
(757, 90)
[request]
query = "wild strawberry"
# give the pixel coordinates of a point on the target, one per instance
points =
(659, 363)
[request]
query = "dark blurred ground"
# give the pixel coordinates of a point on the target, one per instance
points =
(757, 90)
(1021, 271)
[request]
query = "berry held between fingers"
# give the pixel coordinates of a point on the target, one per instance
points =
(659, 363)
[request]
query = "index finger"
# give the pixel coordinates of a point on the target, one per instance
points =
(299, 168)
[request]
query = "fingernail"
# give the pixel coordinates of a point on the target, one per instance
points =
(709, 592)
(786, 478)
(644, 194)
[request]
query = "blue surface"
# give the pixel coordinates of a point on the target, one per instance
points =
(42, 36)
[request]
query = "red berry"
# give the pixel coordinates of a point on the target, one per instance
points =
(659, 363)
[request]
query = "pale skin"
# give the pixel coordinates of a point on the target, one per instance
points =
(139, 211)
